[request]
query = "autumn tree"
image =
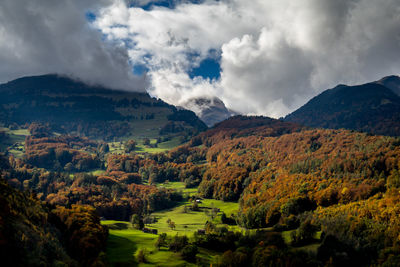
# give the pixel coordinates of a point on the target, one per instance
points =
(130, 146)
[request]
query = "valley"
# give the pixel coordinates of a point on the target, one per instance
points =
(187, 223)
(250, 191)
(209, 133)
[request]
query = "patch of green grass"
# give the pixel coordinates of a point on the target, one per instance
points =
(97, 172)
(146, 149)
(124, 242)
(118, 147)
(168, 145)
(187, 222)
(24, 132)
(179, 186)
(149, 128)
(161, 147)
(16, 153)
(288, 239)
(15, 141)
(286, 236)
(227, 207)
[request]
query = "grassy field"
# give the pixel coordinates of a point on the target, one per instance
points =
(124, 242)
(118, 147)
(179, 186)
(97, 172)
(149, 128)
(188, 221)
(15, 142)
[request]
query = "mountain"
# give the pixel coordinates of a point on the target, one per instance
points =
(371, 107)
(243, 126)
(74, 107)
(391, 82)
(210, 110)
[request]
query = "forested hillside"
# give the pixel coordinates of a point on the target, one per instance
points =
(372, 107)
(297, 187)
(70, 106)
(290, 178)
(33, 233)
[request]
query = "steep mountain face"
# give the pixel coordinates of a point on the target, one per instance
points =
(370, 107)
(73, 107)
(391, 82)
(210, 110)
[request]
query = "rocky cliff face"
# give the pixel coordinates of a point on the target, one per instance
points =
(210, 110)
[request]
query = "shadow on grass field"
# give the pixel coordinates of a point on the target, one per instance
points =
(120, 251)
(124, 242)
(14, 142)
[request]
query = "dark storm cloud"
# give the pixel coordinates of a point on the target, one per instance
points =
(47, 36)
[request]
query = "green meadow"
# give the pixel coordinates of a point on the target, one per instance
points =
(180, 187)
(15, 142)
(118, 147)
(124, 242)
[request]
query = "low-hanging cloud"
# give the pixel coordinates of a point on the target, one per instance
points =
(275, 54)
(47, 36)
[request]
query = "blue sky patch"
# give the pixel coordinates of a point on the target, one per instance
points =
(171, 4)
(90, 16)
(208, 68)
(139, 69)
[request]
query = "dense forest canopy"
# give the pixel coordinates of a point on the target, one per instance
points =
(283, 175)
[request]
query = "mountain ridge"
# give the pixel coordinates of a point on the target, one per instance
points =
(94, 111)
(370, 107)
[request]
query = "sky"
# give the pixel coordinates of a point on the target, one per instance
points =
(264, 57)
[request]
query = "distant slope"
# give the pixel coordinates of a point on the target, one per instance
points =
(391, 82)
(243, 126)
(71, 106)
(210, 110)
(370, 107)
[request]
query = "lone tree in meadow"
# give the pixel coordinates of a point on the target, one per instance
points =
(171, 224)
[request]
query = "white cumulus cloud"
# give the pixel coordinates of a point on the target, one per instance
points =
(275, 55)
